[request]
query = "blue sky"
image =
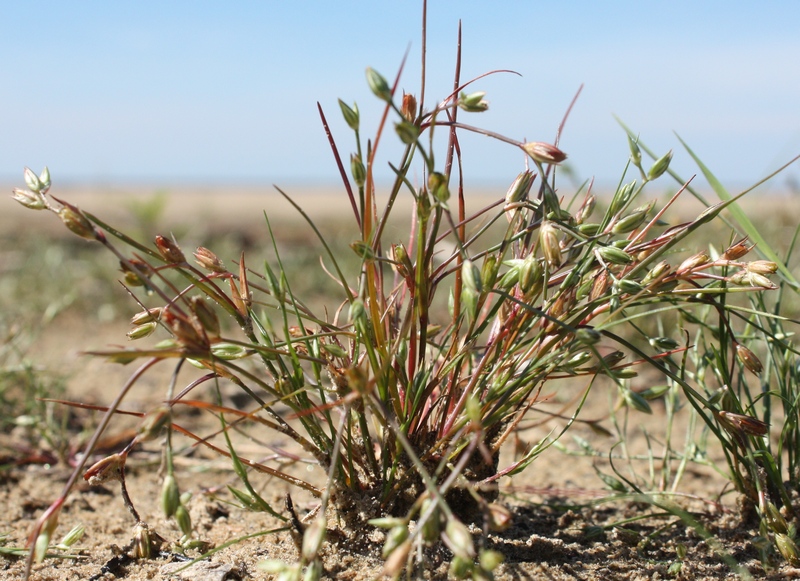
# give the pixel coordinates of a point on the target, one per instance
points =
(165, 92)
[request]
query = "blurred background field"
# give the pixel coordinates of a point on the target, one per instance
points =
(59, 295)
(46, 270)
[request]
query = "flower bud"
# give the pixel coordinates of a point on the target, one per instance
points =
(530, 276)
(632, 221)
(588, 336)
(402, 263)
(378, 85)
(489, 271)
(351, 116)
(636, 401)
(363, 250)
(626, 286)
(142, 331)
(660, 166)
(636, 153)
(474, 102)
(170, 496)
(209, 261)
(409, 107)
(621, 197)
(749, 359)
(169, 250)
(548, 239)
(44, 179)
(358, 311)
(229, 351)
(589, 229)
(32, 180)
(511, 276)
(184, 520)
(407, 132)
(614, 255)
(740, 278)
(663, 343)
(358, 170)
(544, 152)
(774, 518)
(788, 549)
(73, 536)
(76, 221)
(471, 276)
(437, 185)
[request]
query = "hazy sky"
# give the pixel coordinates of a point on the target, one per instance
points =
(198, 91)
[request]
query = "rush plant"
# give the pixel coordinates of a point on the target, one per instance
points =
(441, 341)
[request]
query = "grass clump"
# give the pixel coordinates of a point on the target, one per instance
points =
(441, 343)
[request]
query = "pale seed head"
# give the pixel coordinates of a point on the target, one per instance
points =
(519, 188)
(761, 267)
(544, 152)
(31, 200)
(208, 260)
(548, 239)
(692, 262)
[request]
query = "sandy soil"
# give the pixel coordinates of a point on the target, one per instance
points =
(559, 529)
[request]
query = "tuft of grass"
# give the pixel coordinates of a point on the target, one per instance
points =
(442, 341)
